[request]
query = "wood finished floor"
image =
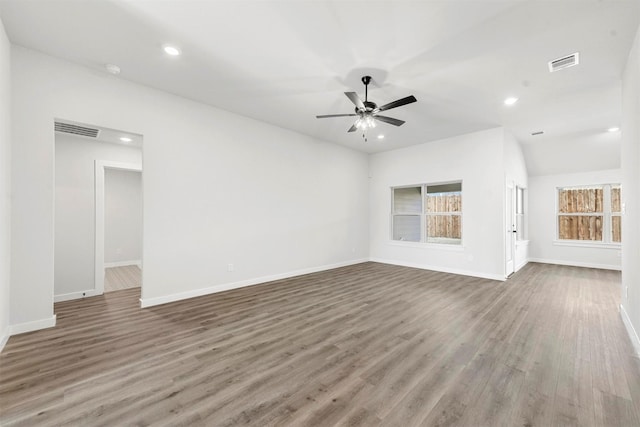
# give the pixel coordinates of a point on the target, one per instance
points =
(369, 344)
(119, 278)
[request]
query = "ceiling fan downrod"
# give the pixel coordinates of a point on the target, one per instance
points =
(366, 80)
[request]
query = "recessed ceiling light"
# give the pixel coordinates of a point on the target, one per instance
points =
(381, 136)
(510, 101)
(613, 129)
(112, 68)
(171, 50)
(125, 139)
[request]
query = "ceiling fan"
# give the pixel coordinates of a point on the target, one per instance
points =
(367, 111)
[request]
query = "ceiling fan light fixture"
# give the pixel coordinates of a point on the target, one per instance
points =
(365, 122)
(370, 122)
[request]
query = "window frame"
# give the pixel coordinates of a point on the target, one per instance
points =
(424, 215)
(521, 232)
(395, 213)
(606, 214)
(615, 214)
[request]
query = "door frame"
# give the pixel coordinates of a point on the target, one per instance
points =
(100, 169)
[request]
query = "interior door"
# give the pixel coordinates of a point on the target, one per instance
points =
(510, 229)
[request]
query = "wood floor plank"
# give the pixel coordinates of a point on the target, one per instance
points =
(364, 345)
(119, 278)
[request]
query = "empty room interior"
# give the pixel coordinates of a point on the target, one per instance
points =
(269, 213)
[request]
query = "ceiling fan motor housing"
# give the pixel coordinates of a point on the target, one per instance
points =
(368, 107)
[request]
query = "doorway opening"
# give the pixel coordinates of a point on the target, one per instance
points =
(118, 214)
(98, 199)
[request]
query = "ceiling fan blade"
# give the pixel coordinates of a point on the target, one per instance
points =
(335, 115)
(352, 128)
(389, 120)
(398, 103)
(355, 99)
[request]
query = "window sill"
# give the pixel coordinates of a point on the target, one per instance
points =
(420, 245)
(585, 244)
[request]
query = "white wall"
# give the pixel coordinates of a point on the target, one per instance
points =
(74, 267)
(5, 183)
(516, 173)
(122, 217)
(542, 222)
(218, 188)
(597, 152)
(477, 160)
(631, 192)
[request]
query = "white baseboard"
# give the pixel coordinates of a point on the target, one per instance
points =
(35, 325)
(4, 337)
(123, 263)
(150, 302)
(577, 264)
(441, 269)
(633, 335)
(75, 295)
(519, 266)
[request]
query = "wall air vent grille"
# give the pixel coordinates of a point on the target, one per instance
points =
(76, 130)
(564, 62)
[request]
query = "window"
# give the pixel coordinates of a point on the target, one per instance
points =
(590, 213)
(407, 210)
(520, 232)
(428, 213)
(616, 219)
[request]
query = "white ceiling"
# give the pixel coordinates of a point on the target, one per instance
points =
(283, 62)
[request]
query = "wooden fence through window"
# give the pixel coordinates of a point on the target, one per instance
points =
(584, 227)
(445, 225)
(580, 200)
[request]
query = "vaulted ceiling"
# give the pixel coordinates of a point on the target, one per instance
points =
(284, 62)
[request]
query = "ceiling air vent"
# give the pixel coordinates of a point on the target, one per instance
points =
(76, 130)
(564, 62)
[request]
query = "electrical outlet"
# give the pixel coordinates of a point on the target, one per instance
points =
(229, 267)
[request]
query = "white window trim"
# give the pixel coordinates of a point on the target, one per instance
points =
(587, 244)
(606, 242)
(422, 245)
